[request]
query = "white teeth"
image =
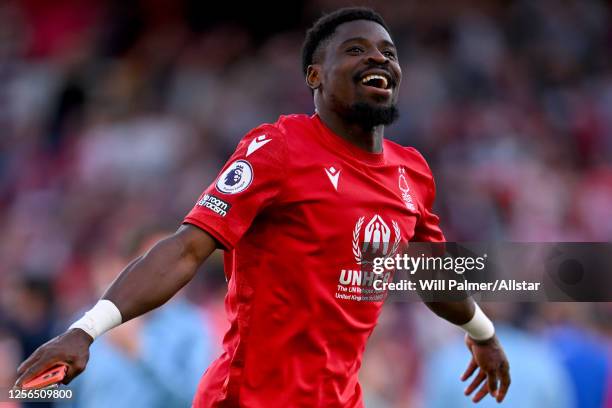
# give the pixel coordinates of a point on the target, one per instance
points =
(374, 76)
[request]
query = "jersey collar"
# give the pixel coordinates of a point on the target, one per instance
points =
(344, 147)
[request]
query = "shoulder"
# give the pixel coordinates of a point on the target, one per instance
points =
(408, 156)
(295, 121)
(284, 126)
(285, 137)
(267, 139)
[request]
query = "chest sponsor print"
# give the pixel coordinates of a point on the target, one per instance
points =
(372, 237)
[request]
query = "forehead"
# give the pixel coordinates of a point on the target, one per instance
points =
(365, 29)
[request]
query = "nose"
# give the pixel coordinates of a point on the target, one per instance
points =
(377, 57)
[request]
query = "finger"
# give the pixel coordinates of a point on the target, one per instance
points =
(26, 373)
(73, 371)
(469, 370)
(492, 383)
(477, 381)
(504, 385)
(68, 378)
(33, 371)
(28, 362)
(482, 392)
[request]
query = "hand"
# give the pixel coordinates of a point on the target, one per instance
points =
(71, 348)
(489, 357)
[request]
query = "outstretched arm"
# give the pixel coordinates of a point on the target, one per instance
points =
(146, 283)
(153, 279)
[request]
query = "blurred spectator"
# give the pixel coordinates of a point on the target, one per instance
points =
(538, 379)
(585, 355)
(9, 358)
(155, 360)
(115, 115)
(30, 313)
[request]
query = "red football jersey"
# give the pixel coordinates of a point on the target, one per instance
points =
(297, 208)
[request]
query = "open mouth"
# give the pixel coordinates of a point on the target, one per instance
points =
(376, 81)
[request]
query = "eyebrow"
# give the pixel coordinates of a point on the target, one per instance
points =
(385, 42)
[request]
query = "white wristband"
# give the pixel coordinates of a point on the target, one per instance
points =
(99, 319)
(479, 327)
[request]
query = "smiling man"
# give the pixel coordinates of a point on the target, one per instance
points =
(296, 209)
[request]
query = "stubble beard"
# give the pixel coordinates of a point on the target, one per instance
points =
(369, 116)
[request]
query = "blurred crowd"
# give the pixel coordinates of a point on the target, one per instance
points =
(114, 115)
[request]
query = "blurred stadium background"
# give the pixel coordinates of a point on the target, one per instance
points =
(114, 115)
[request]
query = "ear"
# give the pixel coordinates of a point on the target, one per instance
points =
(313, 76)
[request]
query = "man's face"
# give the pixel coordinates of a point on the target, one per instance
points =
(359, 73)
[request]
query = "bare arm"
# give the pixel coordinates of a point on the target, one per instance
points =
(154, 278)
(458, 313)
(146, 283)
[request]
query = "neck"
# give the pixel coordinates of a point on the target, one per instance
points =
(370, 140)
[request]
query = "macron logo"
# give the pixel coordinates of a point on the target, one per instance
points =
(333, 175)
(256, 143)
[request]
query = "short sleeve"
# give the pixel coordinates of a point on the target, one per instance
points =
(248, 183)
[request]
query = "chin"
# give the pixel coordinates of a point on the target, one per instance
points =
(369, 114)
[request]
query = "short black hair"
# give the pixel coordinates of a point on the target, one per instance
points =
(325, 26)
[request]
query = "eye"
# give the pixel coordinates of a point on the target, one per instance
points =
(389, 54)
(354, 50)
